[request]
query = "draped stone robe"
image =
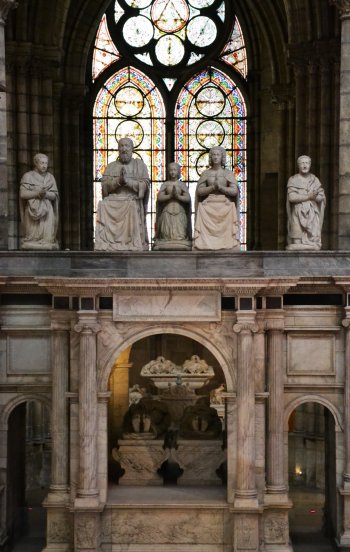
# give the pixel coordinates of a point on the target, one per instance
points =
(121, 215)
(39, 216)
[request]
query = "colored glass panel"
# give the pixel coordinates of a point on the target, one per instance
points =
(201, 31)
(105, 51)
(130, 105)
(170, 50)
(138, 31)
(234, 53)
(170, 15)
(211, 111)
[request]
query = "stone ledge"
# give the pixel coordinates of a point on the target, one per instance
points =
(174, 264)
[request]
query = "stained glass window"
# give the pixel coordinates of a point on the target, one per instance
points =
(130, 105)
(235, 53)
(210, 111)
(105, 51)
(166, 38)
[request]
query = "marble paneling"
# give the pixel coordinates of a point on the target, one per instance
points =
(176, 306)
(28, 353)
(310, 354)
(141, 459)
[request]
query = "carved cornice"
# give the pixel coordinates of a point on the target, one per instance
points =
(343, 7)
(5, 7)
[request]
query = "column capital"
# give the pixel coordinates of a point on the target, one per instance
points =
(245, 327)
(87, 328)
(5, 7)
(346, 323)
(343, 7)
(87, 323)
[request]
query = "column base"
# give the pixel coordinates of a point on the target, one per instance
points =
(88, 503)
(58, 548)
(281, 500)
(57, 496)
(247, 499)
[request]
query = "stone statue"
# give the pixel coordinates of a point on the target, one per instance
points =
(217, 216)
(121, 215)
(38, 203)
(148, 419)
(306, 203)
(173, 221)
(200, 421)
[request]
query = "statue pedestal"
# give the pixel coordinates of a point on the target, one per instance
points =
(142, 458)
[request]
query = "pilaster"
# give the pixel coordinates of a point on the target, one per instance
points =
(87, 327)
(246, 492)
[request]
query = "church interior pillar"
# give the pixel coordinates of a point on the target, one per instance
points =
(87, 327)
(344, 133)
(5, 7)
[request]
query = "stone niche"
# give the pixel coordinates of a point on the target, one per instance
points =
(175, 418)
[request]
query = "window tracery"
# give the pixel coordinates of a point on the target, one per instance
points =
(164, 37)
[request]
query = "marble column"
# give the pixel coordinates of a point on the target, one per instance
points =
(344, 127)
(5, 7)
(246, 493)
(275, 442)
(60, 326)
(87, 328)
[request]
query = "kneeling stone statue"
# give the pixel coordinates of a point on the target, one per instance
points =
(306, 203)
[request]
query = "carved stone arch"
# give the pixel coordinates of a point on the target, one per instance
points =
(291, 406)
(19, 399)
(136, 334)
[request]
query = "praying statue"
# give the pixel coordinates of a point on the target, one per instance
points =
(38, 203)
(216, 223)
(306, 203)
(121, 215)
(173, 222)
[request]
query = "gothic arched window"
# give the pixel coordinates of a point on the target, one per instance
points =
(165, 73)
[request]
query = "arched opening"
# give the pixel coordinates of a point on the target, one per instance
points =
(28, 472)
(167, 416)
(312, 475)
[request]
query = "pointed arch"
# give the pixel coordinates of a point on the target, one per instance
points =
(210, 111)
(129, 104)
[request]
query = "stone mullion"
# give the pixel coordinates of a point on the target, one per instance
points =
(275, 442)
(87, 327)
(245, 482)
(344, 126)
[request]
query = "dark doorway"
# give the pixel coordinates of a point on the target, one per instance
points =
(312, 476)
(28, 474)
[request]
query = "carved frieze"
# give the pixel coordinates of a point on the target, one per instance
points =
(167, 305)
(177, 527)
(59, 528)
(246, 535)
(276, 528)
